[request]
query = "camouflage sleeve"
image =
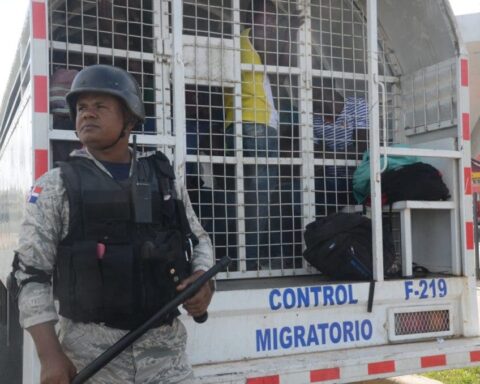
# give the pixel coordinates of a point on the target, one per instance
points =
(203, 252)
(44, 225)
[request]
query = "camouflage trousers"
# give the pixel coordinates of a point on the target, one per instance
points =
(156, 357)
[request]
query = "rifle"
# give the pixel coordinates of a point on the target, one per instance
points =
(127, 340)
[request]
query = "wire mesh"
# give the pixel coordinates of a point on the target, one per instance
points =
(276, 107)
(115, 32)
(410, 323)
(248, 119)
(118, 24)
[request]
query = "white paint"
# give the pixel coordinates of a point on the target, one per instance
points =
(468, 25)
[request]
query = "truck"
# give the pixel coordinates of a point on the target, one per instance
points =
(274, 318)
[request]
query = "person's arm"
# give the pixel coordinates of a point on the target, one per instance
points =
(45, 224)
(202, 261)
(203, 253)
(56, 366)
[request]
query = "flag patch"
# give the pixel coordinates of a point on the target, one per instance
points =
(34, 193)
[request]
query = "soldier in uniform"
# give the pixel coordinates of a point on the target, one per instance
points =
(112, 239)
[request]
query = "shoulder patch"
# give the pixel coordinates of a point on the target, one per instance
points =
(34, 194)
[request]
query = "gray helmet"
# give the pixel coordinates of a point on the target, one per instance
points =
(110, 80)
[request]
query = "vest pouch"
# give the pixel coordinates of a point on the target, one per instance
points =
(164, 211)
(79, 282)
(111, 231)
(164, 265)
(106, 215)
(118, 282)
(63, 280)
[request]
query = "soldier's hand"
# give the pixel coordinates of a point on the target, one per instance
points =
(57, 369)
(196, 305)
(56, 366)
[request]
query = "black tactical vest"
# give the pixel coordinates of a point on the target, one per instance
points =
(112, 268)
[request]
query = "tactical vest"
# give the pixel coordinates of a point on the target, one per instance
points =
(111, 268)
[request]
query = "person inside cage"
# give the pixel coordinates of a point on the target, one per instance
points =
(265, 40)
(340, 127)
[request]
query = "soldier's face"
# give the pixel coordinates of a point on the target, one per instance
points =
(100, 119)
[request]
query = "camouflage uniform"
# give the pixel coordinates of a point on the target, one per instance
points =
(158, 356)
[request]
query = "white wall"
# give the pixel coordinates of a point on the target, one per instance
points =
(468, 25)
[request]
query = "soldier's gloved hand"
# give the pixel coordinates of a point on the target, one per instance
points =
(197, 305)
(57, 369)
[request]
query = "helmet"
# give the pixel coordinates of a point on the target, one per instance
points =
(110, 80)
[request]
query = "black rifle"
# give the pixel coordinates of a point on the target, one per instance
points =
(127, 340)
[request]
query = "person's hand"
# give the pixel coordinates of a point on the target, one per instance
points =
(196, 305)
(56, 366)
(57, 369)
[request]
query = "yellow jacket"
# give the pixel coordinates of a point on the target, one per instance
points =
(257, 99)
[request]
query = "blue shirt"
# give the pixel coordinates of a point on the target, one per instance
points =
(119, 171)
(338, 134)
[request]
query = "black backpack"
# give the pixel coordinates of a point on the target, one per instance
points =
(340, 246)
(417, 181)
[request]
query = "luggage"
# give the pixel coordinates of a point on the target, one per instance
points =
(361, 176)
(417, 181)
(340, 246)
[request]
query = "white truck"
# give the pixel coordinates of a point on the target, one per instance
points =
(282, 321)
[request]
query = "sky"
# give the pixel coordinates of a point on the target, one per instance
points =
(12, 15)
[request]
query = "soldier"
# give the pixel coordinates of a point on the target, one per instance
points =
(108, 231)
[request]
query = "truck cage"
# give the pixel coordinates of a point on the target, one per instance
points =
(409, 68)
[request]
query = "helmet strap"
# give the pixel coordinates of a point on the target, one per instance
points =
(120, 136)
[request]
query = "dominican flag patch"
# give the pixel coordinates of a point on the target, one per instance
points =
(35, 192)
